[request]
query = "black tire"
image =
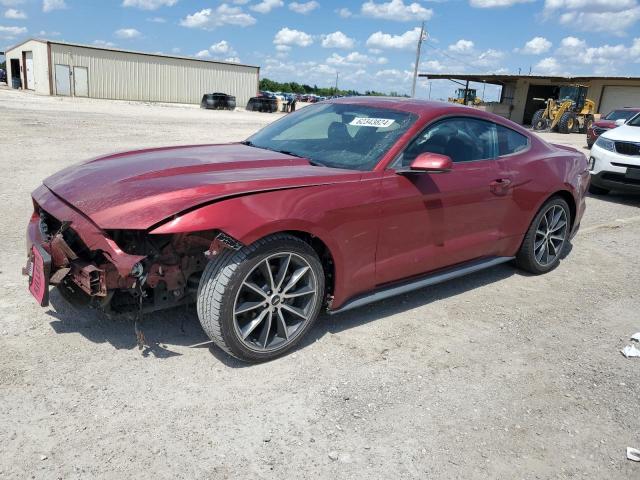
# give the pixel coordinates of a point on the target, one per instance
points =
(223, 278)
(567, 123)
(595, 190)
(537, 122)
(588, 121)
(526, 258)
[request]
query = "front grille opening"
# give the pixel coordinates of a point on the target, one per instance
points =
(628, 148)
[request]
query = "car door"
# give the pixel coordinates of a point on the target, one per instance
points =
(433, 220)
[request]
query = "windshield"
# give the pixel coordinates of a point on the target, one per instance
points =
(635, 121)
(353, 137)
(620, 114)
(570, 93)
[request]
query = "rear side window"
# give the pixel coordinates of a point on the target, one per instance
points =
(510, 141)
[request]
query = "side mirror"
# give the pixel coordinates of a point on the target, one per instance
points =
(620, 122)
(431, 163)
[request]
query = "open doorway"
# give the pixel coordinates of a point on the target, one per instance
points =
(15, 73)
(536, 97)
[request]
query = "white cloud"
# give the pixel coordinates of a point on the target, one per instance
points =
(149, 4)
(304, 8)
(344, 12)
(462, 46)
(203, 54)
(287, 36)
(11, 32)
(233, 59)
(396, 10)
(354, 59)
(337, 40)
(14, 14)
(103, 43)
(432, 66)
(408, 40)
(127, 33)
(265, 6)
(43, 34)
(536, 46)
(496, 3)
(49, 5)
(614, 16)
(221, 47)
(157, 20)
(209, 18)
(283, 48)
(548, 66)
(175, 50)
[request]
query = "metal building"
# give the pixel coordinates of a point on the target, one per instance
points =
(66, 69)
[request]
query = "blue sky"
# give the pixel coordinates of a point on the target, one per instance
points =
(371, 43)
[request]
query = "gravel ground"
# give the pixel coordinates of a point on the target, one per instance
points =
(497, 375)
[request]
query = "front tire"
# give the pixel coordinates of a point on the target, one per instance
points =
(567, 123)
(258, 302)
(546, 238)
(537, 122)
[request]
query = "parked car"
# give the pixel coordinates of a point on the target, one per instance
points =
(614, 161)
(262, 104)
(609, 121)
(218, 101)
(3, 76)
(332, 207)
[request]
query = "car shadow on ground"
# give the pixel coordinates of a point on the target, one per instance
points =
(629, 199)
(180, 326)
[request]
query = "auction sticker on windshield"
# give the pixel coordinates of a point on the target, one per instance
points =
(372, 122)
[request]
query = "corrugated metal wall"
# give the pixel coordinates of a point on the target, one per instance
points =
(129, 76)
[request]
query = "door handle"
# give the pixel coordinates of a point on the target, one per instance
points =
(500, 186)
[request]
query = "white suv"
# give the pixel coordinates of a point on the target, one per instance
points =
(614, 163)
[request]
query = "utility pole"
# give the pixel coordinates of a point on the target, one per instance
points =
(336, 88)
(415, 68)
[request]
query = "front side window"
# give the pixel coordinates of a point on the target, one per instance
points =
(463, 139)
(336, 135)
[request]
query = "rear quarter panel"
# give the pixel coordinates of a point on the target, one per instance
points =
(543, 171)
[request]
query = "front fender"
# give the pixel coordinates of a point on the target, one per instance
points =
(343, 217)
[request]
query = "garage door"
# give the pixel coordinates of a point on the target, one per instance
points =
(618, 97)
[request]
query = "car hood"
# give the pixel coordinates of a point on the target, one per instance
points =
(624, 133)
(604, 124)
(136, 190)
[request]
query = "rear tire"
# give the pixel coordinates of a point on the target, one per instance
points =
(546, 238)
(595, 190)
(258, 302)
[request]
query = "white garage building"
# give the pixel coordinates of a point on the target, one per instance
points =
(522, 95)
(66, 69)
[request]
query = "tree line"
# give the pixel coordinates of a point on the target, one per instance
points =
(303, 88)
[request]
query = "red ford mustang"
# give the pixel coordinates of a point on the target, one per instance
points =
(334, 206)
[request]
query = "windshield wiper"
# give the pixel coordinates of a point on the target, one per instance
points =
(247, 142)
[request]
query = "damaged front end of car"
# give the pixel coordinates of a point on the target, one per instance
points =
(117, 271)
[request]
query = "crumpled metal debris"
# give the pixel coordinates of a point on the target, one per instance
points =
(636, 337)
(633, 454)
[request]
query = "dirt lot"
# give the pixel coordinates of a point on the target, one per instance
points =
(498, 375)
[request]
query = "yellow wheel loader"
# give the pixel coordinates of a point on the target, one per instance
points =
(571, 112)
(464, 96)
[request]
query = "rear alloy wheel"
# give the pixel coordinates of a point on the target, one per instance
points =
(258, 302)
(546, 238)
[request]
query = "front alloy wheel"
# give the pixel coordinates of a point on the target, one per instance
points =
(275, 301)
